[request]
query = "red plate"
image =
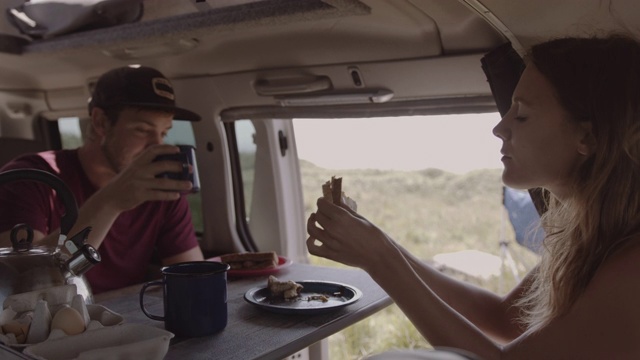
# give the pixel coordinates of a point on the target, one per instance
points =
(283, 262)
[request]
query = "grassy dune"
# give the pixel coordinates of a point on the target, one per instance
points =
(428, 212)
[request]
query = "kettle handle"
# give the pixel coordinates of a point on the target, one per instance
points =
(64, 194)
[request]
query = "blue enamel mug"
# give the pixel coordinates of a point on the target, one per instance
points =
(195, 298)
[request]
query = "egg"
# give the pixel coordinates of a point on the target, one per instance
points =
(80, 306)
(68, 320)
(19, 328)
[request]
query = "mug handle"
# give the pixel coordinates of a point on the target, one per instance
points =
(142, 291)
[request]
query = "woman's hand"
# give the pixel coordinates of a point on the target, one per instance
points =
(340, 234)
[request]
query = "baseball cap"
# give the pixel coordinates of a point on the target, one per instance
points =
(141, 86)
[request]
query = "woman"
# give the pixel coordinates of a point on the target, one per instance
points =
(574, 130)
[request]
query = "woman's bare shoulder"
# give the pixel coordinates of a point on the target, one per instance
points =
(623, 260)
(616, 281)
(604, 322)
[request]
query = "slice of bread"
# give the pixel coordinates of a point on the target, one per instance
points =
(332, 191)
(287, 289)
(251, 260)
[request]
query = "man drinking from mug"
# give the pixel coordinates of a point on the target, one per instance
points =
(132, 212)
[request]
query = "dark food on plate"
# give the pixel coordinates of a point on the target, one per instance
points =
(251, 260)
(290, 291)
(323, 298)
(287, 289)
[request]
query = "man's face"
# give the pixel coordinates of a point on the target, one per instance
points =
(133, 132)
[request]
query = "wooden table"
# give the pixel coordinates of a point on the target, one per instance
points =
(251, 332)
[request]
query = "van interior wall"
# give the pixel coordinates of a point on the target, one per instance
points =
(18, 111)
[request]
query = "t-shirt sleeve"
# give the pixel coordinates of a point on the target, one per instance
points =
(177, 234)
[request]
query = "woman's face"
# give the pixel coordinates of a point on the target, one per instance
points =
(542, 145)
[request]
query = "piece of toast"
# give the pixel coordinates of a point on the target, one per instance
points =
(287, 289)
(251, 260)
(332, 191)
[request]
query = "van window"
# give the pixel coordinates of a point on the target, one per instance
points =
(70, 132)
(433, 183)
(180, 133)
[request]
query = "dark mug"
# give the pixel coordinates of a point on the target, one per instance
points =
(186, 156)
(195, 298)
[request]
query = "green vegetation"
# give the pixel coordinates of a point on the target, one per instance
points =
(428, 212)
(70, 141)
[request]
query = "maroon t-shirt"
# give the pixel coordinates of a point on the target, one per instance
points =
(128, 247)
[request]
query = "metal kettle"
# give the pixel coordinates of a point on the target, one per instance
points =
(26, 267)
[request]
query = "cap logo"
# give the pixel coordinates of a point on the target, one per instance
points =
(162, 87)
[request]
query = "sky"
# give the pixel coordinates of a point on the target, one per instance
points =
(454, 143)
(69, 126)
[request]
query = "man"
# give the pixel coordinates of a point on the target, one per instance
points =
(132, 213)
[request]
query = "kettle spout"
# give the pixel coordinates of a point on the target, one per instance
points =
(83, 256)
(82, 260)
(77, 241)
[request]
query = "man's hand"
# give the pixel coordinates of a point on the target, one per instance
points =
(137, 183)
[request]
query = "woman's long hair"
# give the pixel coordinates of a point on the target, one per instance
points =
(597, 80)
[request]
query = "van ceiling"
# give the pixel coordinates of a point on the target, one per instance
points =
(191, 38)
(267, 34)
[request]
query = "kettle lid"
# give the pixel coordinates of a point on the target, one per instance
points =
(22, 243)
(37, 250)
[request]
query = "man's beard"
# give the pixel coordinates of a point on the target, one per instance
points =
(112, 159)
